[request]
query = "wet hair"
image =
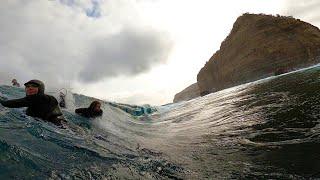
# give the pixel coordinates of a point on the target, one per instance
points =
(93, 105)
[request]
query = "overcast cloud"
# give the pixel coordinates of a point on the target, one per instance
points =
(130, 51)
(61, 41)
(307, 10)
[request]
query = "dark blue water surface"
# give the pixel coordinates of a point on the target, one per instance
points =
(267, 129)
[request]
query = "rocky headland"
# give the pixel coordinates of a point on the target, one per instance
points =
(188, 93)
(259, 46)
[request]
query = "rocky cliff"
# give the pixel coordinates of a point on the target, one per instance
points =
(188, 93)
(260, 46)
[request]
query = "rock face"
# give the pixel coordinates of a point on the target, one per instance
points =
(259, 46)
(190, 92)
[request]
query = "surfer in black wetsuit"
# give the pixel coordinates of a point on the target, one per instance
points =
(15, 83)
(94, 110)
(38, 104)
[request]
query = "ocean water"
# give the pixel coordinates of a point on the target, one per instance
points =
(268, 129)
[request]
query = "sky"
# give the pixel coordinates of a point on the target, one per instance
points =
(128, 51)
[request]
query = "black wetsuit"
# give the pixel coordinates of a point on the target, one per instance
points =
(89, 112)
(86, 112)
(16, 84)
(40, 105)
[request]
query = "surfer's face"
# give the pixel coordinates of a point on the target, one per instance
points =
(31, 89)
(97, 107)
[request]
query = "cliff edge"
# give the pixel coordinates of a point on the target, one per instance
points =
(188, 93)
(259, 46)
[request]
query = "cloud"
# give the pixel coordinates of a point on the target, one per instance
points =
(90, 7)
(307, 10)
(64, 41)
(128, 52)
(301, 7)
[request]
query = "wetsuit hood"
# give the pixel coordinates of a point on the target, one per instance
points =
(38, 83)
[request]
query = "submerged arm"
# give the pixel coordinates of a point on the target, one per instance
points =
(80, 110)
